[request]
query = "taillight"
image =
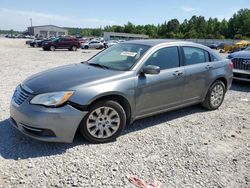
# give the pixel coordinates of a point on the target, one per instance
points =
(231, 65)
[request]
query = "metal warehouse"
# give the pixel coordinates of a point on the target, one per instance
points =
(47, 31)
(125, 36)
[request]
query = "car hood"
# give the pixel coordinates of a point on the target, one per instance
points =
(66, 78)
(240, 54)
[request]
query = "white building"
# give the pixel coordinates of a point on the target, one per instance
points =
(47, 31)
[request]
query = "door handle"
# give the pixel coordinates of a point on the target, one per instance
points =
(178, 73)
(209, 67)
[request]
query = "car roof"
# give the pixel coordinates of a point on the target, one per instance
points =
(153, 42)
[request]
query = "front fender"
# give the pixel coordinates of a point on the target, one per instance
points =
(87, 94)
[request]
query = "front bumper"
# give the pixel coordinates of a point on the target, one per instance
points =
(242, 75)
(46, 124)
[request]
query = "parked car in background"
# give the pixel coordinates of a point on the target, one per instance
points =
(69, 43)
(213, 46)
(93, 44)
(109, 43)
(35, 43)
(217, 46)
(241, 62)
(38, 43)
(81, 41)
(125, 82)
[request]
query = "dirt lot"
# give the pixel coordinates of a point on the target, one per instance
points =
(191, 147)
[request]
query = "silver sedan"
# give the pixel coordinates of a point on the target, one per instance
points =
(121, 84)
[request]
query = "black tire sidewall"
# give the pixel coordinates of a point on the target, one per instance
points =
(218, 82)
(116, 106)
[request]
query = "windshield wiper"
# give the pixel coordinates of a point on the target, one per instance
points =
(84, 62)
(98, 65)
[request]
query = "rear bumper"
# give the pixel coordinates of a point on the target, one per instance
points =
(242, 75)
(46, 124)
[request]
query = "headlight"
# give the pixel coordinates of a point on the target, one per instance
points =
(52, 99)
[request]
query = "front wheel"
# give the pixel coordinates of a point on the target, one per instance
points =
(73, 48)
(104, 122)
(52, 48)
(215, 95)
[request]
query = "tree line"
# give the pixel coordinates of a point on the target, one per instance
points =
(237, 27)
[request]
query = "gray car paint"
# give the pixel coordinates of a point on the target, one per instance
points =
(145, 94)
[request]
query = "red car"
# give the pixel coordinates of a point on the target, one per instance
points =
(69, 43)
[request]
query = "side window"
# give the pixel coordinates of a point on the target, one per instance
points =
(164, 58)
(213, 58)
(195, 55)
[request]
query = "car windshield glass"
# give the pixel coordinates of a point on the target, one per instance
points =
(120, 57)
(54, 40)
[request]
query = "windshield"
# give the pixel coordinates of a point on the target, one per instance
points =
(54, 40)
(120, 56)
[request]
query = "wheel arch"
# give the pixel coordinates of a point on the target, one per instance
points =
(117, 98)
(221, 78)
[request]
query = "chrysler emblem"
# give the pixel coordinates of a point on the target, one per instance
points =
(246, 62)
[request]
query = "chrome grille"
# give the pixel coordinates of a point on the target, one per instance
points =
(241, 63)
(20, 95)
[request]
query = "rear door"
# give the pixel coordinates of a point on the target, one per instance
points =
(197, 67)
(162, 91)
(60, 43)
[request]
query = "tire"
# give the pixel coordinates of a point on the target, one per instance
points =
(73, 48)
(86, 47)
(215, 95)
(97, 127)
(35, 45)
(52, 48)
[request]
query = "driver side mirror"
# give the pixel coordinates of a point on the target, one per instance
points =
(151, 69)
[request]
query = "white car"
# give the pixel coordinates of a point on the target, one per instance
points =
(111, 43)
(93, 44)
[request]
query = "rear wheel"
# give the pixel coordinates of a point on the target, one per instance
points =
(73, 48)
(52, 48)
(215, 95)
(104, 122)
(86, 47)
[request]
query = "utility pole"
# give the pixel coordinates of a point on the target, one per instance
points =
(31, 22)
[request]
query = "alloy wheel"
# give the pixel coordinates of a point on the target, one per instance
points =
(217, 95)
(103, 122)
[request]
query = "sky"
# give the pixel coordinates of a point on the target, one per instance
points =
(16, 14)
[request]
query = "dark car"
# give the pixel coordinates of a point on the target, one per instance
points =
(69, 43)
(217, 46)
(39, 43)
(126, 82)
(241, 62)
(213, 46)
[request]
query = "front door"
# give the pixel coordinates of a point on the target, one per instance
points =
(159, 92)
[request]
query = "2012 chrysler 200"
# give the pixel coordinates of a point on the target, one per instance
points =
(125, 82)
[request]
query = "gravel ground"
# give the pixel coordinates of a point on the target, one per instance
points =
(191, 147)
